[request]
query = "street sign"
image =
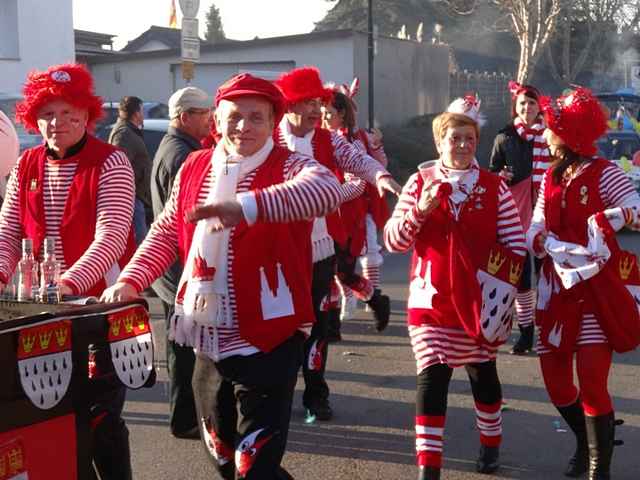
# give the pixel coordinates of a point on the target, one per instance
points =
(190, 49)
(189, 28)
(188, 71)
(189, 8)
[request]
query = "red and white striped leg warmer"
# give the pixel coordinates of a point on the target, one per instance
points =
(429, 433)
(489, 421)
(525, 307)
(346, 291)
(372, 273)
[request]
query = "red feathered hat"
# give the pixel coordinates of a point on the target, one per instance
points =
(577, 118)
(303, 84)
(72, 83)
(246, 84)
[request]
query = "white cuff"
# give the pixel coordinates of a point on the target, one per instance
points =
(249, 206)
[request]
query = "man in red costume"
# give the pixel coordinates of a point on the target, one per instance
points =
(299, 130)
(79, 191)
(244, 296)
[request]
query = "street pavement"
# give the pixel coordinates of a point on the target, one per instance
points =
(372, 380)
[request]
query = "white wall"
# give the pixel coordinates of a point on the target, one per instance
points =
(155, 77)
(45, 37)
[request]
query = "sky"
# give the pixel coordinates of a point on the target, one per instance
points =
(241, 19)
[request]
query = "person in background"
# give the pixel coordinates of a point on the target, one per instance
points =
(300, 131)
(127, 135)
(244, 299)
(79, 191)
(190, 120)
(357, 215)
(460, 221)
(9, 151)
(520, 156)
(585, 308)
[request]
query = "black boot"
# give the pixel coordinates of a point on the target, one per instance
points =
(381, 306)
(600, 435)
(574, 416)
(488, 460)
(525, 342)
(429, 473)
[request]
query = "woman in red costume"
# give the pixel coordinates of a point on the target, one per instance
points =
(469, 249)
(585, 308)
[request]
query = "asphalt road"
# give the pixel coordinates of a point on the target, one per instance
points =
(372, 378)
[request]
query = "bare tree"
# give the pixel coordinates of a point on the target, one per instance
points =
(533, 22)
(584, 27)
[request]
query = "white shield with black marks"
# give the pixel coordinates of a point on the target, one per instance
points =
(131, 346)
(44, 362)
(498, 307)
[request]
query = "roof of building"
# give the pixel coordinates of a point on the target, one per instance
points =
(169, 36)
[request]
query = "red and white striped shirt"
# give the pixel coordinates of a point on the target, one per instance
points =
(616, 190)
(433, 344)
(113, 220)
(309, 190)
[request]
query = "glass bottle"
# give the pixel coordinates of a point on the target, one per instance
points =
(27, 272)
(49, 273)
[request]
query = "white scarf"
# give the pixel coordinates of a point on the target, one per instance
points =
(462, 183)
(203, 295)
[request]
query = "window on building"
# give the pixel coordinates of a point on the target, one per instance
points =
(9, 29)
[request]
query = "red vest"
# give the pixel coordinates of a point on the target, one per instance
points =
(452, 251)
(567, 210)
(78, 225)
(271, 264)
(324, 153)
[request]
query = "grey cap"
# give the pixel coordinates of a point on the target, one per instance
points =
(187, 98)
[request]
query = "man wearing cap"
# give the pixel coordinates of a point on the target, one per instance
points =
(79, 191)
(189, 111)
(244, 296)
(299, 130)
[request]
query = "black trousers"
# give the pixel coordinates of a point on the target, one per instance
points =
(180, 362)
(346, 271)
(433, 386)
(110, 436)
(316, 346)
(244, 404)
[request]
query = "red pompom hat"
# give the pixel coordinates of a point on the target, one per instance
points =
(72, 83)
(577, 118)
(303, 83)
(246, 84)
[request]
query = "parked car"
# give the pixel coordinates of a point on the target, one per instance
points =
(152, 133)
(621, 147)
(8, 106)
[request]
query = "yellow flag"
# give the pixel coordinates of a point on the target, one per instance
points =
(173, 19)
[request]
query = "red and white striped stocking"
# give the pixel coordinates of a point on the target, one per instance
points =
(525, 307)
(489, 421)
(429, 433)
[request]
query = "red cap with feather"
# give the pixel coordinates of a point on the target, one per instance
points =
(72, 83)
(577, 118)
(303, 83)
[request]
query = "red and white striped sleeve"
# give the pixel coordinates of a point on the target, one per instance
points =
(352, 188)
(159, 249)
(114, 213)
(509, 228)
(10, 228)
(401, 229)
(309, 190)
(538, 220)
(616, 189)
(541, 165)
(353, 160)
